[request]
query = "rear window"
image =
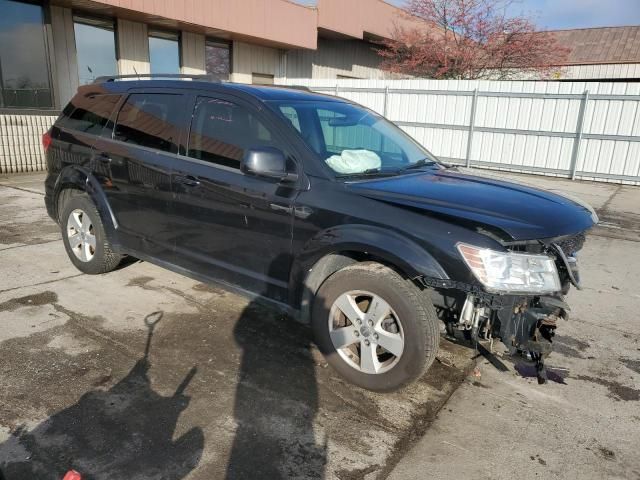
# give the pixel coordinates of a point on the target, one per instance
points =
(90, 114)
(151, 120)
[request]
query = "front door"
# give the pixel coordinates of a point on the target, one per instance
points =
(139, 159)
(229, 225)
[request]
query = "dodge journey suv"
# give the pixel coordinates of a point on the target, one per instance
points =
(319, 205)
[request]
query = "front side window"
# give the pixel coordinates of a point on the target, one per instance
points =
(217, 59)
(164, 52)
(151, 120)
(24, 67)
(351, 139)
(95, 48)
(221, 131)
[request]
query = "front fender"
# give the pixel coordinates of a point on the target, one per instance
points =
(81, 178)
(391, 247)
(409, 257)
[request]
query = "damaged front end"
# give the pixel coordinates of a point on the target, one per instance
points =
(523, 313)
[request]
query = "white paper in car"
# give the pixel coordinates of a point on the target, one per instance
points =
(354, 161)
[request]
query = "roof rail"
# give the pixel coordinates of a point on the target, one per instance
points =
(294, 87)
(151, 76)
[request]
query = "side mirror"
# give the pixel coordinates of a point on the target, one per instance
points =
(266, 162)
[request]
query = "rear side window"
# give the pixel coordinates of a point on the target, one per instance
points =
(151, 120)
(221, 131)
(89, 114)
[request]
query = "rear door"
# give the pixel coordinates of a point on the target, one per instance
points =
(139, 156)
(229, 225)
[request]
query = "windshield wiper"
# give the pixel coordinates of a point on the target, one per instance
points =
(369, 172)
(419, 164)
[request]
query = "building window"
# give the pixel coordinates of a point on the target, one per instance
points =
(24, 67)
(261, 79)
(164, 52)
(217, 59)
(95, 48)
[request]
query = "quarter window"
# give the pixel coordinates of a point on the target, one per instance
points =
(24, 67)
(89, 114)
(151, 120)
(95, 48)
(221, 131)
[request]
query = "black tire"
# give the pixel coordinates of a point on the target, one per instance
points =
(416, 314)
(103, 259)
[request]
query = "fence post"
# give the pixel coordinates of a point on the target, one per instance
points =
(578, 139)
(386, 101)
(336, 92)
(472, 121)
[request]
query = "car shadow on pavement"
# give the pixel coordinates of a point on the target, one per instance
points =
(276, 400)
(124, 432)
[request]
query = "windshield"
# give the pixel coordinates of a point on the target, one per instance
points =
(352, 140)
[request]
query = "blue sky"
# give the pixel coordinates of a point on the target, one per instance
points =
(557, 14)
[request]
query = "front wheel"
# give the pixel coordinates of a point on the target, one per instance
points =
(377, 329)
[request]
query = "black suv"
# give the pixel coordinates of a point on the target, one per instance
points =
(319, 205)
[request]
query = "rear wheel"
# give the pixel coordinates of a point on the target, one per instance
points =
(84, 236)
(375, 327)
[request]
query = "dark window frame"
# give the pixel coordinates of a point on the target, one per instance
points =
(46, 36)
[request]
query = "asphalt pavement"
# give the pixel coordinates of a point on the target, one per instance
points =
(145, 374)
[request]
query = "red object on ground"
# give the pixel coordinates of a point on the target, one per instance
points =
(72, 475)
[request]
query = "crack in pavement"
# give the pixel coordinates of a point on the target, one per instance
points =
(40, 283)
(29, 245)
(22, 189)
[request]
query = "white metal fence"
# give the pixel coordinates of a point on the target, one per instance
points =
(581, 130)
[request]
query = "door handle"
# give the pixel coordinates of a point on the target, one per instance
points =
(188, 180)
(280, 208)
(102, 158)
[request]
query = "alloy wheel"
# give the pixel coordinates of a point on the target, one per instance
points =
(81, 235)
(366, 332)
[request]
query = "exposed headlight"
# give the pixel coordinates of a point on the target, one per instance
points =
(511, 272)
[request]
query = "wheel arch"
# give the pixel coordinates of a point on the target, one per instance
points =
(339, 247)
(79, 178)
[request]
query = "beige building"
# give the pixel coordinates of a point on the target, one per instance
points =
(50, 47)
(249, 41)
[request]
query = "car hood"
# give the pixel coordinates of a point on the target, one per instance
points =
(520, 211)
